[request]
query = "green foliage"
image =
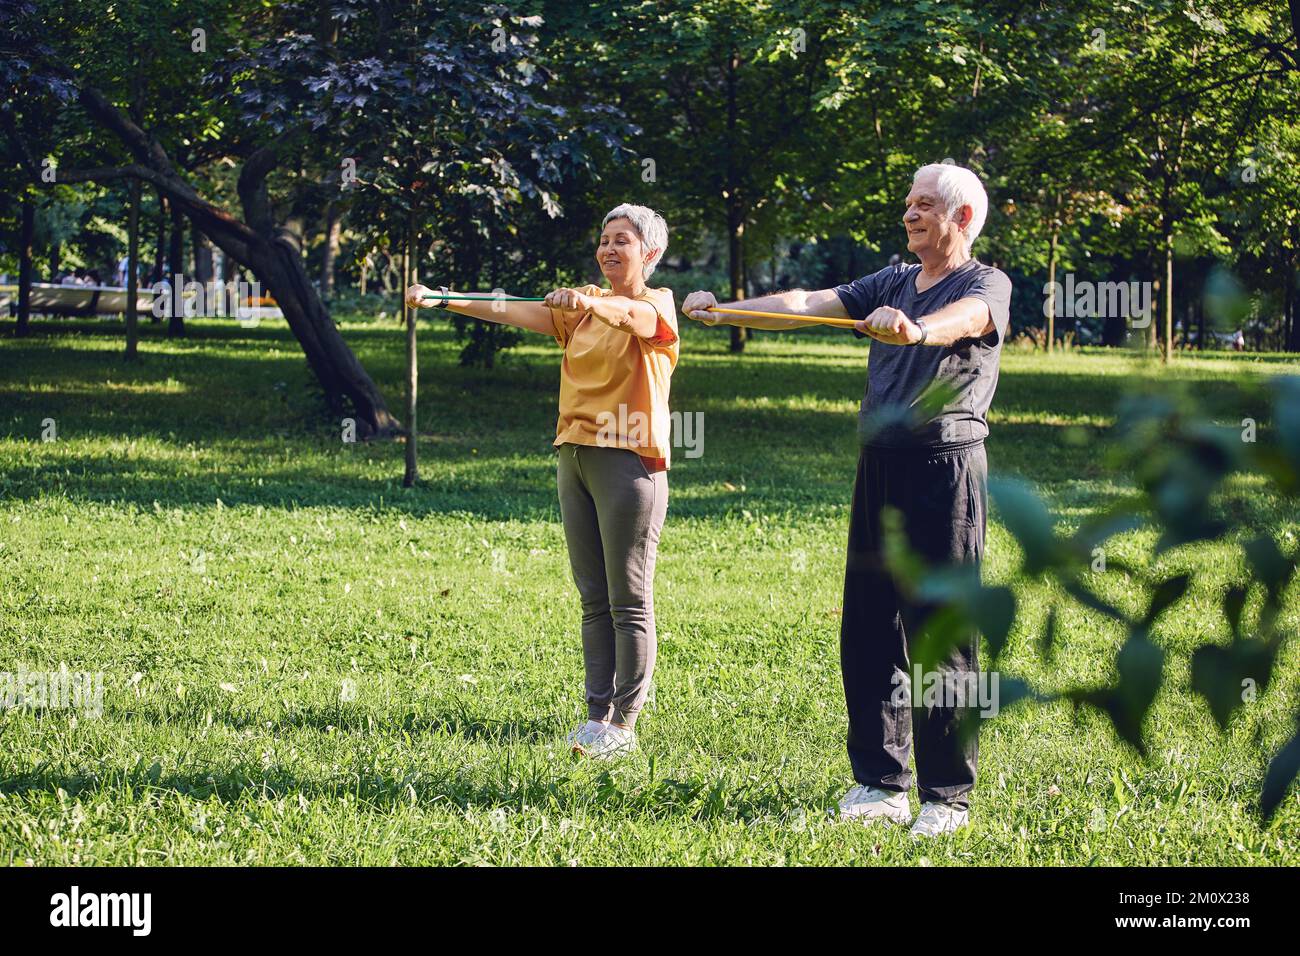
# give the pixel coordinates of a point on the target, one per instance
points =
(791, 128)
(1180, 463)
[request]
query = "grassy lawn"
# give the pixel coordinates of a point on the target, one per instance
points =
(305, 663)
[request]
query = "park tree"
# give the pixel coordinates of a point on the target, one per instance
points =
(285, 91)
(1154, 100)
(726, 95)
(1264, 215)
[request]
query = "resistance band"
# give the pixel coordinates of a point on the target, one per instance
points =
(811, 319)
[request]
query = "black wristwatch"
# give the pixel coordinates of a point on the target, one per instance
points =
(925, 333)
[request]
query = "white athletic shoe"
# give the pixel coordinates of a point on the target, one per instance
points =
(872, 803)
(937, 818)
(609, 744)
(581, 735)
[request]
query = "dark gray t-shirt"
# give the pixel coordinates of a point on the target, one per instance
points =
(897, 375)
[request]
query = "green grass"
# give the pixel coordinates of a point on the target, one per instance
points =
(200, 534)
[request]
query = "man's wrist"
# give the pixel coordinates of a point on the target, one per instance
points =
(925, 333)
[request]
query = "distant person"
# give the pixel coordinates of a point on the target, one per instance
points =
(70, 278)
(614, 437)
(123, 271)
(940, 321)
(1238, 341)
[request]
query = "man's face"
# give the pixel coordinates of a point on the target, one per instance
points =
(930, 233)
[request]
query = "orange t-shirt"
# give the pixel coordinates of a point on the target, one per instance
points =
(614, 384)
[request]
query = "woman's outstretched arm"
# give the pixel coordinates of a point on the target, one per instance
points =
(533, 316)
(635, 316)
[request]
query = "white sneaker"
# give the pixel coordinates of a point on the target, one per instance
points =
(609, 744)
(872, 803)
(581, 735)
(937, 818)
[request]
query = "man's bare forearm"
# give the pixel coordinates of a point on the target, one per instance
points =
(797, 302)
(963, 319)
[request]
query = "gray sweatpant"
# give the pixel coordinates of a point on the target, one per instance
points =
(613, 509)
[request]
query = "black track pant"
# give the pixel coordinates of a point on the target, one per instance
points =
(942, 496)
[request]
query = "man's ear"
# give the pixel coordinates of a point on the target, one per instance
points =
(964, 216)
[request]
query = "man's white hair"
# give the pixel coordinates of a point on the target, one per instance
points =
(957, 187)
(650, 228)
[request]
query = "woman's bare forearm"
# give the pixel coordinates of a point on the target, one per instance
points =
(532, 316)
(627, 315)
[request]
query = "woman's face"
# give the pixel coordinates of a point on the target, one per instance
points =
(620, 253)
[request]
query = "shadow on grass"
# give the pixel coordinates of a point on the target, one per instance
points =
(350, 719)
(268, 439)
(772, 478)
(570, 784)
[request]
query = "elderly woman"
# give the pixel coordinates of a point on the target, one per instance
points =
(620, 348)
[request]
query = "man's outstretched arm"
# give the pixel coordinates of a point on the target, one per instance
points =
(823, 303)
(967, 318)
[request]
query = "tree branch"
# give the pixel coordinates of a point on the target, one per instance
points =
(252, 183)
(224, 229)
(143, 146)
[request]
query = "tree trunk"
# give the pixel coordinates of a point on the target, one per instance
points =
(25, 269)
(263, 248)
(390, 275)
(1292, 279)
(1167, 293)
(176, 266)
(160, 244)
(735, 213)
(133, 270)
(736, 257)
(1200, 326)
(412, 365)
(278, 265)
(1292, 337)
(333, 229)
(160, 249)
(1151, 334)
(1052, 255)
(229, 276)
(203, 267)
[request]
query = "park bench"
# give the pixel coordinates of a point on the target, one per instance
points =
(76, 300)
(83, 300)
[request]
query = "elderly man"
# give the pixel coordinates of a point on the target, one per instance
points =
(942, 320)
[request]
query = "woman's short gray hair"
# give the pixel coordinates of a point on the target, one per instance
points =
(650, 228)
